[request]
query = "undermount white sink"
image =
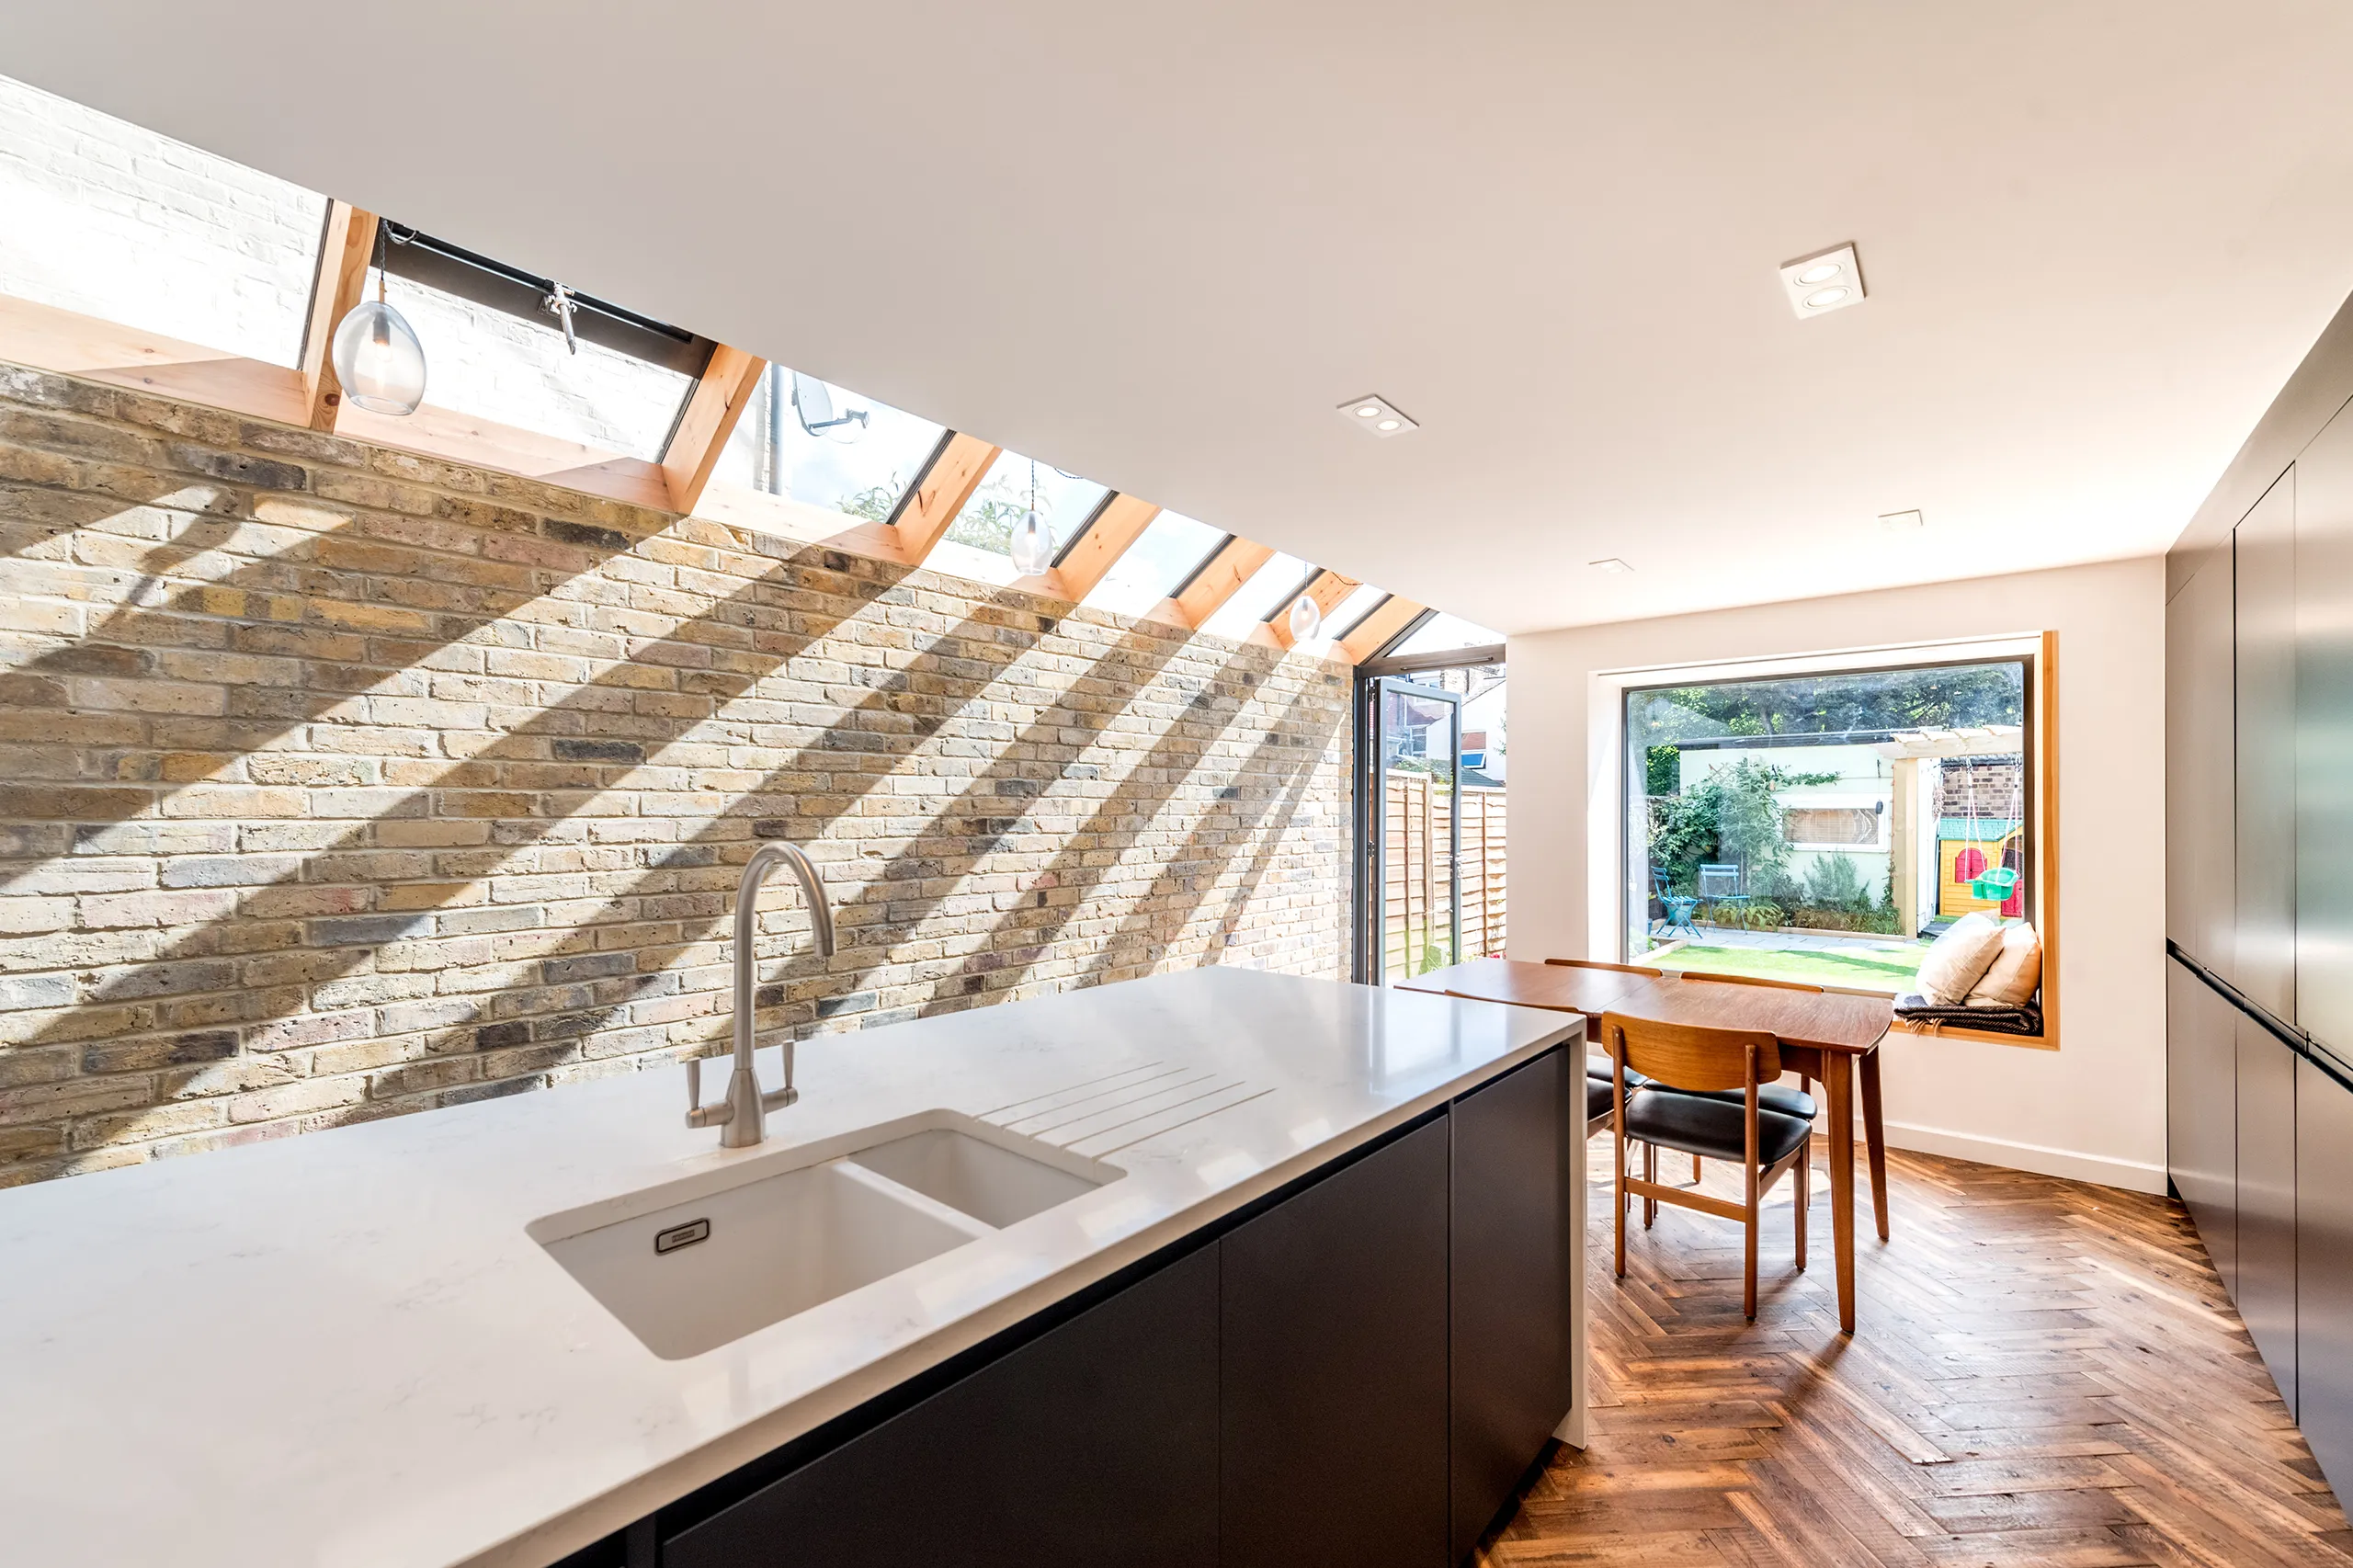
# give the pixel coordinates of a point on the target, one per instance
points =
(690, 1265)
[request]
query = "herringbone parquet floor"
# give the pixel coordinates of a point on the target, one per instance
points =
(2044, 1372)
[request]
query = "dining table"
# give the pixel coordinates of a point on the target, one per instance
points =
(1830, 1035)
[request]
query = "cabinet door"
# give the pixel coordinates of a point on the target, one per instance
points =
(2198, 764)
(2267, 1293)
(2324, 1270)
(1514, 1283)
(1095, 1443)
(2202, 1113)
(1332, 1376)
(2323, 890)
(2263, 935)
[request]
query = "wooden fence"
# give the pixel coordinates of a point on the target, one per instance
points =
(1419, 817)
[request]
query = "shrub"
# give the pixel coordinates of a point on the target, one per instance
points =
(1834, 882)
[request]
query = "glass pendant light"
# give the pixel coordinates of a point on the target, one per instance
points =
(1032, 544)
(377, 355)
(1306, 619)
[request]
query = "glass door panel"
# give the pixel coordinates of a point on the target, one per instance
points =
(1409, 880)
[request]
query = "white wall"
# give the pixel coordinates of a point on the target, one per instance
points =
(2091, 1109)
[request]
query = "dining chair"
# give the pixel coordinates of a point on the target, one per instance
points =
(1777, 1097)
(1702, 1063)
(1599, 1109)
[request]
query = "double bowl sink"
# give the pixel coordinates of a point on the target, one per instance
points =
(689, 1264)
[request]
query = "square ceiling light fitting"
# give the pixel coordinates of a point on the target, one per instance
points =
(1827, 281)
(1376, 417)
(1612, 565)
(1901, 519)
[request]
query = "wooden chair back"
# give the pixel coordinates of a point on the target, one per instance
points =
(1686, 1056)
(1742, 980)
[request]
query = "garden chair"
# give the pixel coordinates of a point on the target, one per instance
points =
(1720, 890)
(1679, 908)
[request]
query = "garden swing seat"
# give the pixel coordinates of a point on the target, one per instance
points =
(1995, 883)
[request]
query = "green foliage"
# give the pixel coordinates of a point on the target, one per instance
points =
(874, 504)
(1662, 771)
(988, 520)
(1834, 703)
(1834, 882)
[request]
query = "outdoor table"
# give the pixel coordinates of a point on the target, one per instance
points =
(1822, 1034)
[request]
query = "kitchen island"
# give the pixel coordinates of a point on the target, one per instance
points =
(1320, 1236)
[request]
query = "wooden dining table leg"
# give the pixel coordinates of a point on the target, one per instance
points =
(1838, 1083)
(1875, 1140)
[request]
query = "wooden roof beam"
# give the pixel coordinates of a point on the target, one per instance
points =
(1116, 525)
(930, 505)
(345, 250)
(1233, 563)
(1383, 621)
(716, 401)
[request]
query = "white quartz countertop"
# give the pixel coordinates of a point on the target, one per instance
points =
(342, 1349)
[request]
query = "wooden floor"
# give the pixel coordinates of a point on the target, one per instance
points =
(2043, 1372)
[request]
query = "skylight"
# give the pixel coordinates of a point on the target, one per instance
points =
(1355, 607)
(830, 457)
(497, 365)
(976, 542)
(1167, 554)
(1443, 633)
(108, 219)
(1270, 586)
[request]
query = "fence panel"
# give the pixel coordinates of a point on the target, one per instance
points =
(1418, 817)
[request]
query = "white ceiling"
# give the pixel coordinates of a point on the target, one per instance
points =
(1157, 245)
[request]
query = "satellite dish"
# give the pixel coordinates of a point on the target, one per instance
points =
(812, 400)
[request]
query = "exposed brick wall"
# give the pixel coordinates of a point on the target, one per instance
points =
(1997, 784)
(336, 782)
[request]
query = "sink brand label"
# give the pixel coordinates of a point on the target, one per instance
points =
(684, 1235)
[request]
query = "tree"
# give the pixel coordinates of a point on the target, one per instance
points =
(1837, 703)
(1730, 815)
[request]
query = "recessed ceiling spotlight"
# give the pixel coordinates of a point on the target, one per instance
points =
(1901, 519)
(1612, 565)
(1804, 278)
(1376, 417)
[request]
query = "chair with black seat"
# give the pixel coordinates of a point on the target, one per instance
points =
(1688, 1067)
(1774, 1096)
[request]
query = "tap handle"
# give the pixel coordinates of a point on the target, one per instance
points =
(698, 1113)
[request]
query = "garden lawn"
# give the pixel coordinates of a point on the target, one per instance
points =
(1876, 968)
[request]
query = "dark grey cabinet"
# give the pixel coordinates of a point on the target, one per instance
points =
(2202, 1111)
(2324, 1270)
(1356, 1372)
(1333, 1375)
(2267, 1199)
(2199, 765)
(2260, 912)
(1512, 1285)
(1095, 1443)
(2263, 932)
(2324, 881)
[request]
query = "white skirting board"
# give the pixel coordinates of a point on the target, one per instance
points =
(2133, 1176)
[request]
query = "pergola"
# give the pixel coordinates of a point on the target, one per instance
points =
(306, 395)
